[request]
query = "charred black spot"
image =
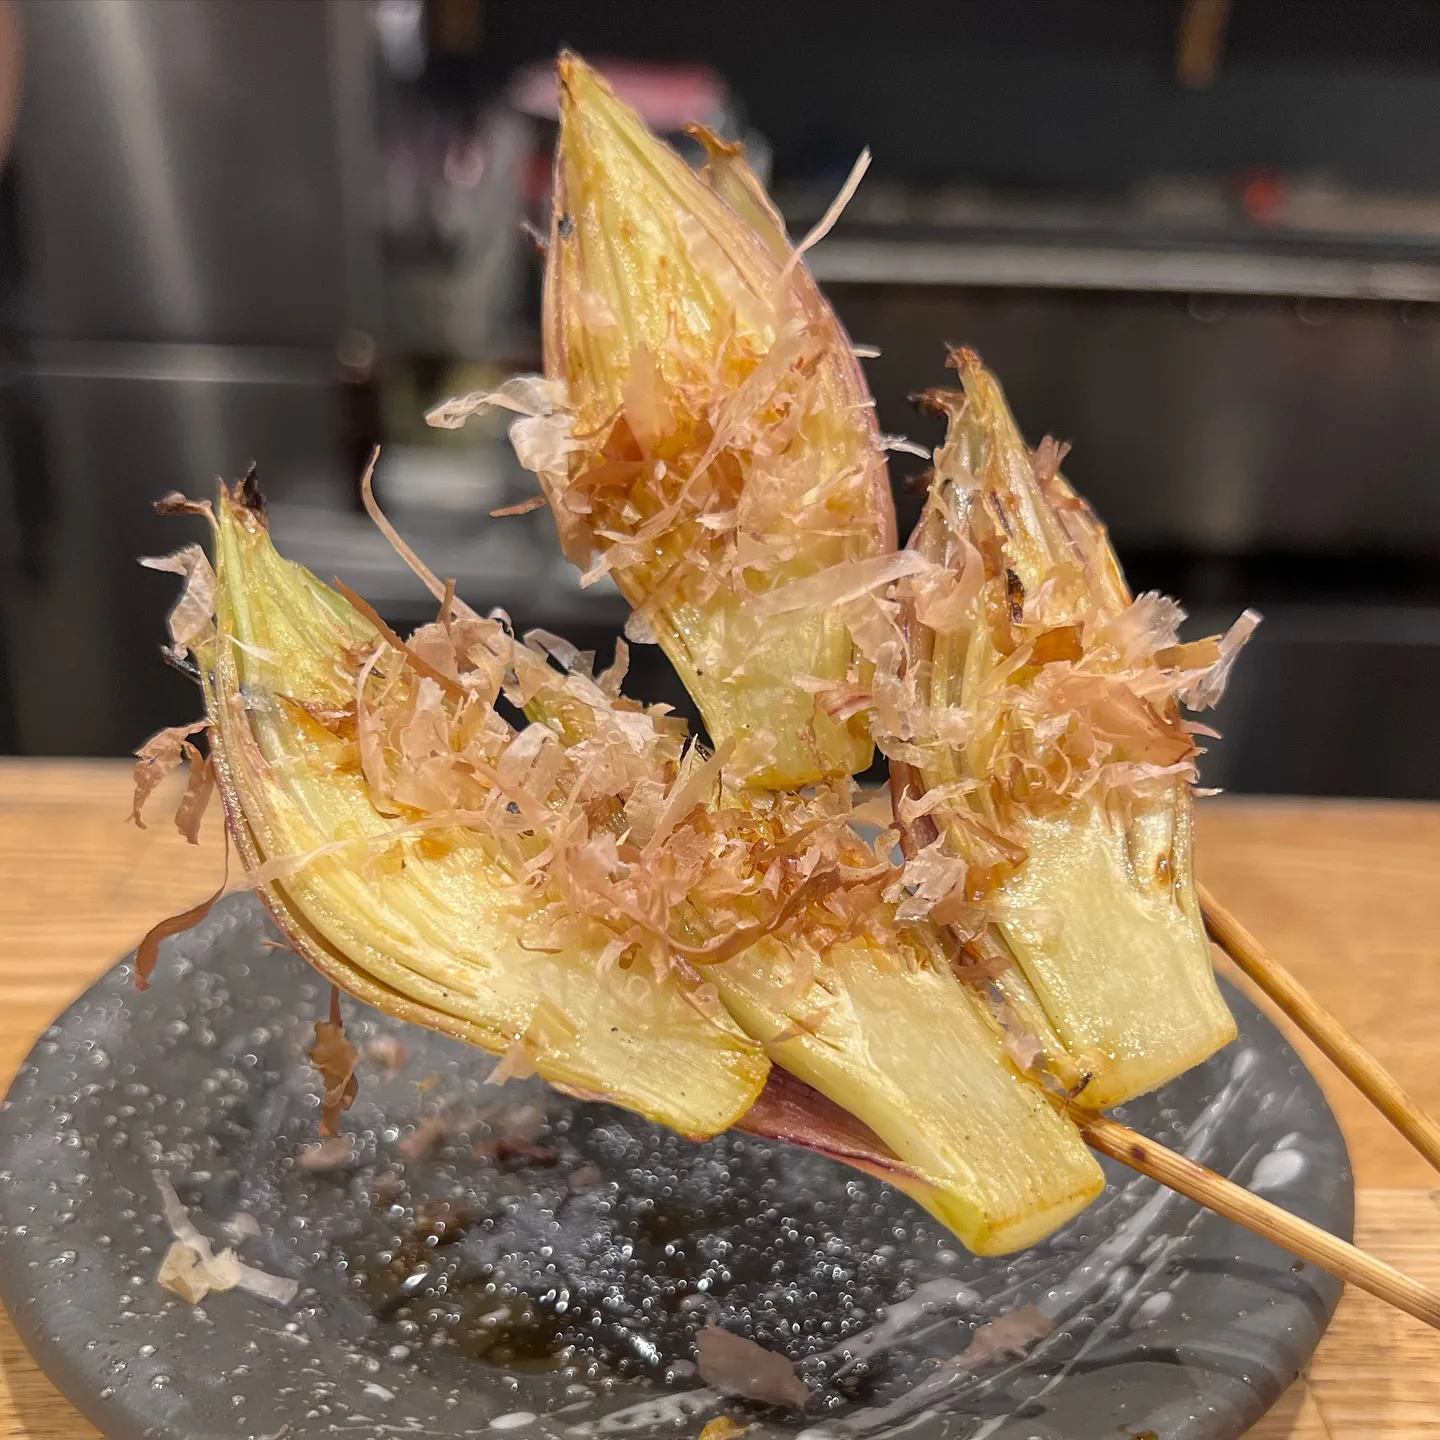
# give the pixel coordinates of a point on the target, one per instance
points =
(997, 507)
(1015, 596)
(250, 494)
(565, 227)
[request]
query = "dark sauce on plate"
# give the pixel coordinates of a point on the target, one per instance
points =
(594, 1245)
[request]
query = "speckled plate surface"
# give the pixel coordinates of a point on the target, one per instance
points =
(494, 1259)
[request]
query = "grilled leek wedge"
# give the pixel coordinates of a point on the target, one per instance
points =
(895, 1039)
(708, 439)
(424, 923)
(1044, 752)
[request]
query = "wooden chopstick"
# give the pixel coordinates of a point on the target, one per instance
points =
(1214, 1191)
(1271, 1222)
(1357, 1063)
(1236, 1203)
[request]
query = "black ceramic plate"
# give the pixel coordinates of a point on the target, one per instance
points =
(477, 1231)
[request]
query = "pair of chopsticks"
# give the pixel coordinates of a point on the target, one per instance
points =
(1233, 1201)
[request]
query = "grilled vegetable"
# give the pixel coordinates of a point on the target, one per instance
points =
(702, 936)
(890, 1035)
(704, 435)
(590, 899)
(335, 760)
(1041, 759)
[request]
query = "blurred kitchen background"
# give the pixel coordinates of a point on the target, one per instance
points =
(1199, 241)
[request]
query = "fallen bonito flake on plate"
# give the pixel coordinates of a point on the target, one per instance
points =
(737, 1366)
(192, 1270)
(1009, 1335)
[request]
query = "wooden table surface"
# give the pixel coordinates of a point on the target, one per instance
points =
(1347, 893)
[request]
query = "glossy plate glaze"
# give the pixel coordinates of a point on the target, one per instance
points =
(487, 1259)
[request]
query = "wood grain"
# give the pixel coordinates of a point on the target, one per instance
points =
(1359, 1066)
(1347, 894)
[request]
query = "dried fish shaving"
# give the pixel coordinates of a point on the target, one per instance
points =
(192, 1270)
